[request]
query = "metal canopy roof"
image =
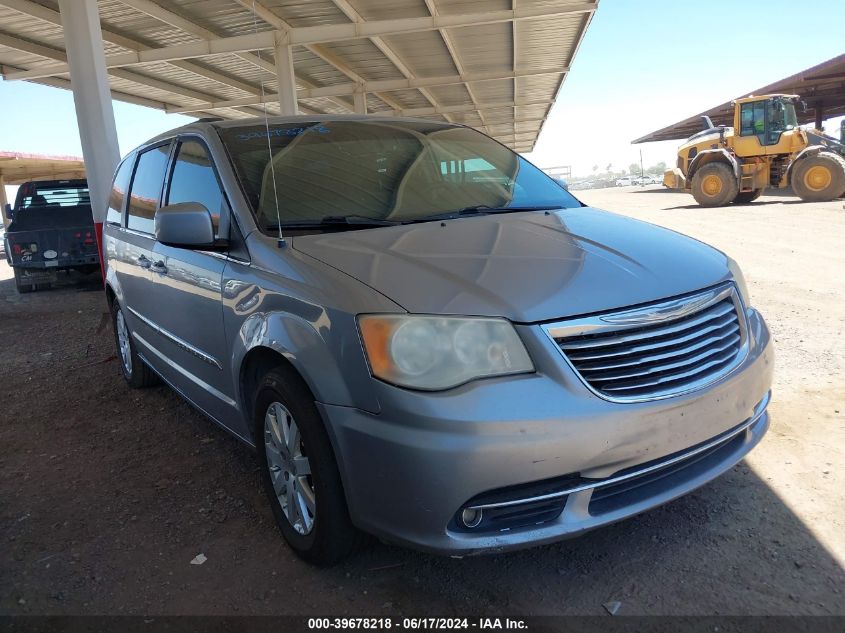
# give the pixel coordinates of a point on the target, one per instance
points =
(493, 64)
(17, 168)
(822, 87)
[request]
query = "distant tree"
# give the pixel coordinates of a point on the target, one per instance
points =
(609, 167)
(634, 168)
(595, 168)
(657, 169)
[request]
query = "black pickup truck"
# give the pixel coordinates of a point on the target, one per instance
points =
(51, 229)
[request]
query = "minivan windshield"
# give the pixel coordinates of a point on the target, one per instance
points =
(384, 171)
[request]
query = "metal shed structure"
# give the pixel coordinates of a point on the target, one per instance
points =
(822, 88)
(17, 168)
(493, 64)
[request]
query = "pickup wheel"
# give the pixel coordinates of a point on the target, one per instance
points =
(134, 370)
(21, 285)
(714, 185)
(744, 197)
(299, 471)
(819, 178)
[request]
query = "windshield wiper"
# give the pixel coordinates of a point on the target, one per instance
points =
(483, 209)
(336, 220)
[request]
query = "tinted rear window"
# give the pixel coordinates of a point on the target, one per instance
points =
(55, 195)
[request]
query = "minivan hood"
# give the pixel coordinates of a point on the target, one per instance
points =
(527, 267)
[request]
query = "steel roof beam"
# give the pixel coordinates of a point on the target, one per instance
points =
(50, 52)
(185, 24)
(322, 52)
(27, 7)
(491, 105)
(188, 26)
(352, 13)
(385, 85)
(313, 35)
(453, 53)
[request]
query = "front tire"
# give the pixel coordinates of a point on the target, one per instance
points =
(299, 471)
(819, 178)
(714, 185)
(134, 370)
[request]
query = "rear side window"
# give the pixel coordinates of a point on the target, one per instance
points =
(56, 196)
(194, 180)
(114, 215)
(146, 189)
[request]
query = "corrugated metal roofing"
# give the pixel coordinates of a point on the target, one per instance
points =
(17, 168)
(536, 35)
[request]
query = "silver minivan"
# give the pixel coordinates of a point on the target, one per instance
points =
(424, 336)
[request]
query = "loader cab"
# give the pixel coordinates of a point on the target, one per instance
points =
(764, 124)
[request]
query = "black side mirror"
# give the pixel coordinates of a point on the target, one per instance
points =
(185, 224)
(10, 212)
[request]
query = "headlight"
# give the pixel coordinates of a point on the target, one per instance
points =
(431, 352)
(739, 280)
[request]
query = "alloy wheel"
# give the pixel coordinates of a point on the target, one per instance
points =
(290, 470)
(123, 343)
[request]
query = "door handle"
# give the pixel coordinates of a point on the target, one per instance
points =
(143, 262)
(159, 267)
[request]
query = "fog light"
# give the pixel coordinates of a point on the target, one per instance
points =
(471, 517)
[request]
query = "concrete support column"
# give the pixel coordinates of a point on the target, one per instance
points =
(92, 98)
(286, 79)
(359, 101)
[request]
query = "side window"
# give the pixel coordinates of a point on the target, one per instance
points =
(746, 115)
(752, 117)
(194, 180)
(114, 214)
(146, 189)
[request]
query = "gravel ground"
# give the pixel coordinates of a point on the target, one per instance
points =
(107, 494)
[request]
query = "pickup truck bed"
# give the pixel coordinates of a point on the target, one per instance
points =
(48, 235)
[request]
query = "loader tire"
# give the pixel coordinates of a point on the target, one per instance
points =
(714, 185)
(819, 178)
(744, 197)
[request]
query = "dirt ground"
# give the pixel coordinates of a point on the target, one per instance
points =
(107, 494)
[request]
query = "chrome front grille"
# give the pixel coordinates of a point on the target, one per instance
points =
(658, 350)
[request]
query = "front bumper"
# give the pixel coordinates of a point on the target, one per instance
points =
(411, 469)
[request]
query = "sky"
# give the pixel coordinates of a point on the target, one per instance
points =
(643, 64)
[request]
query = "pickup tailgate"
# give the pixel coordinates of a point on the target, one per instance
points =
(53, 248)
(52, 238)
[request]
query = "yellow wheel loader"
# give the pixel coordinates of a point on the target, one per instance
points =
(764, 148)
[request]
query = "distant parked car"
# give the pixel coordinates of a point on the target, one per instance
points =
(626, 181)
(424, 336)
(561, 182)
(649, 180)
